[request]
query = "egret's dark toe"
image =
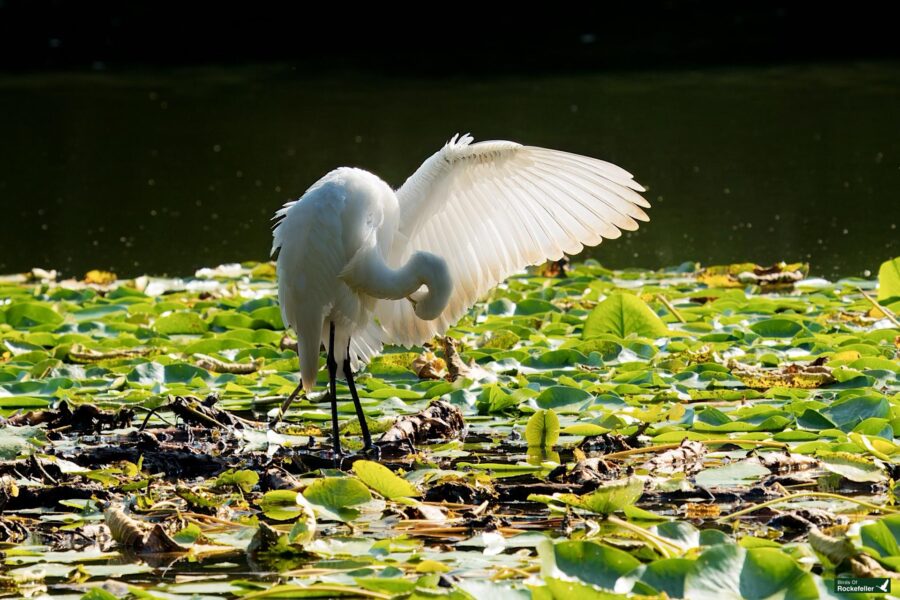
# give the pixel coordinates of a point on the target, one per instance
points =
(373, 452)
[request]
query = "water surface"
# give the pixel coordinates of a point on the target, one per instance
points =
(165, 172)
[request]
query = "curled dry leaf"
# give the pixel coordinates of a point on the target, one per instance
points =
(428, 366)
(80, 354)
(215, 365)
(440, 421)
(587, 473)
(192, 410)
(136, 535)
(459, 490)
(456, 366)
(13, 530)
(687, 458)
(785, 462)
(288, 343)
(864, 565)
(265, 538)
(800, 522)
(835, 549)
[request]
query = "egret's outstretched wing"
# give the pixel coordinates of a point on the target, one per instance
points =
(491, 209)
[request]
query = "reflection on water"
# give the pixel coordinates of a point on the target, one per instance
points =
(164, 173)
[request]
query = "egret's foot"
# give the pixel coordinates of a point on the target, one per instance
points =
(371, 451)
(339, 460)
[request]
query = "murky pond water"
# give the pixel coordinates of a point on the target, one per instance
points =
(167, 172)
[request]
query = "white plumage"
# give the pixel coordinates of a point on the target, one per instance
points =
(351, 250)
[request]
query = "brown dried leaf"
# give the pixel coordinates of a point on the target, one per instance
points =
(784, 462)
(701, 510)
(440, 421)
(81, 354)
(127, 532)
(215, 365)
(456, 367)
(192, 410)
(265, 538)
(159, 542)
(428, 366)
(589, 472)
(687, 458)
(864, 565)
(836, 550)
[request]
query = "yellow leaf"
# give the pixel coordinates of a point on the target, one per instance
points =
(99, 277)
(431, 566)
(849, 355)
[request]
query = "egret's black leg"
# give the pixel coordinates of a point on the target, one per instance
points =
(348, 374)
(287, 403)
(332, 388)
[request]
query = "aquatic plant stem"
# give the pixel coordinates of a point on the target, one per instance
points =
(662, 447)
(790, 497)
(279, 591)
(656, 541)
(670, 308)
(887, 313)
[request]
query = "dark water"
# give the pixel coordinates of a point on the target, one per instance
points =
(167, 172)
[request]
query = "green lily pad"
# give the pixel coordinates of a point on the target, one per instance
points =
(593, 563)
(563, 397)
(542, 429)
(24, 315)
(384, 481)
(334, 497)
(180, 323)
(728, 571)
(623, 315)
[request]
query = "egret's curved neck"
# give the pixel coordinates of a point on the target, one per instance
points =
(372, 275)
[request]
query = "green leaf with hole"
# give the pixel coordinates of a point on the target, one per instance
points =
(623, 315)
(383, 480)
(542, 430)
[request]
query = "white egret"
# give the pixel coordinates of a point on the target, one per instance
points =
(360, 265)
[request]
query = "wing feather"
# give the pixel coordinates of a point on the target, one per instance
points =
(492, 208)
